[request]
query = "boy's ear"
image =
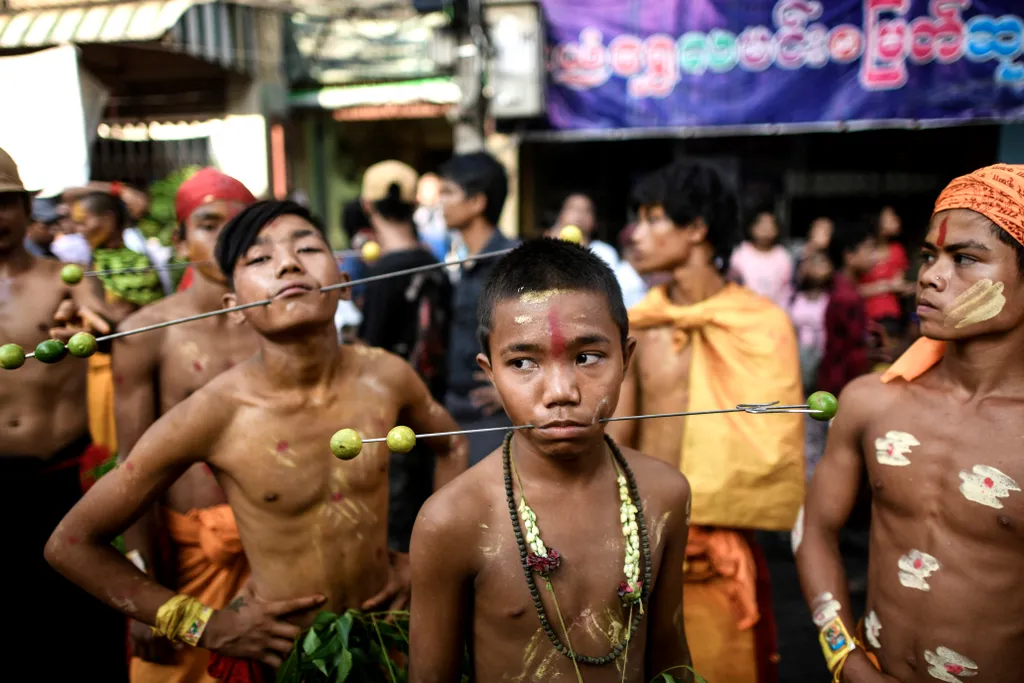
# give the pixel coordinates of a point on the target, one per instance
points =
(627, 355)
(229, 300)
(485, 364)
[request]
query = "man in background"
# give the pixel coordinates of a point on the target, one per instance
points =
(473, 191)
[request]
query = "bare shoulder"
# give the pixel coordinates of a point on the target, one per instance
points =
(658, 481)
(451, 517)
(380, 367)
(865, 398)
(168, 308)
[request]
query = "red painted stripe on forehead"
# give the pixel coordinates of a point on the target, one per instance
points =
(555, 330)
(942, 232)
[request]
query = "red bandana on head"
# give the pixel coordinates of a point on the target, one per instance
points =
(208, 185)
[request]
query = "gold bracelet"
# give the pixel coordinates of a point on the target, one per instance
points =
(182, 619)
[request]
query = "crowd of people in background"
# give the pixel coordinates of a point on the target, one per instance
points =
(843, 288)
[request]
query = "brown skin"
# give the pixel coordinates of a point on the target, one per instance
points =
(962, 411)
(464, 555)
(155, 371)
(313, 527)
(658, 380)
(42, 407)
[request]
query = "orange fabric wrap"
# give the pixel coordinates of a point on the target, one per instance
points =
(997, 193)
(211, 567)
(725, 555)
(99, 392)
(745, 471)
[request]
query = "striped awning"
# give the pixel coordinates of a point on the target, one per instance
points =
(111, 23)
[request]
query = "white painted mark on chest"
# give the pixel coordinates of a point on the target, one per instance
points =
(947, 665)
(873, 629)
(893, 448)
(915, 568)
(986, 485)
(797, 535)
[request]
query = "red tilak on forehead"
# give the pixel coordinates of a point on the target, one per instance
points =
(942, 232)
(555, 330)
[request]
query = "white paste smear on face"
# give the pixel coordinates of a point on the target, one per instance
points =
(986, 485)
(797, 535)
(947, 665)
(524, 319)
(894, 447)
(915, 568)
(873, 629)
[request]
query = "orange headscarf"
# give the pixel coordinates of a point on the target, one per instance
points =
(997, 193)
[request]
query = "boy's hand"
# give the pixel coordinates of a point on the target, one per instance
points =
(256, 631)
(395, 595)
(859, 669)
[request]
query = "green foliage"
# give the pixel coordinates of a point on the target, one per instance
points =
(160, 221)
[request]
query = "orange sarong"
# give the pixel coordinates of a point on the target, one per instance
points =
(211, 567)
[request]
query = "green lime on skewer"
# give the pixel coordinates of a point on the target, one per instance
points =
(346, 444)
(71, 274)
(51, 351)
(82, 345)
(825, 404)
(401, 439)
(12, 356)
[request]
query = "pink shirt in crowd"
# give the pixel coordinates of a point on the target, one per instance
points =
(808, 316)
(769, 273)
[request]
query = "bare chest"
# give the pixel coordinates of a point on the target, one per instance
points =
(960, 473)
(279, 456)
(27, 305)
(191, 358)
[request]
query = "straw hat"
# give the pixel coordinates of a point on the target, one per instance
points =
(10, 180)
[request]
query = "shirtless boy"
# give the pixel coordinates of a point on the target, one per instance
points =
(155, 371)
(44, 430)
(554, 335)
(939, 439)
(313, 528)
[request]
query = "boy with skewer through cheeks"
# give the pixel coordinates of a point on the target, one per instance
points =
(563, 548)
(313, 528)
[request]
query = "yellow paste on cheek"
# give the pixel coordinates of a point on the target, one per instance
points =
(980, 302)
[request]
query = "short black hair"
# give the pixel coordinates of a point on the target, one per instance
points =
(1008, 239)
(99, 203)
(688, 191)
(393, 208)
(354, 218)
(241, 231)
(479, 173)
(847, 238)
(544, 264)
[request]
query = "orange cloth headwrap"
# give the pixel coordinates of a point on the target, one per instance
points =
(997, 193)
(208, 185)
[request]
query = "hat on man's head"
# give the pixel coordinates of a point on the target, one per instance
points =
(379, 178)
(10, 180)
(209, 185)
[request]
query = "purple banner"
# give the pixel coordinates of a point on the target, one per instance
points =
(672, 63)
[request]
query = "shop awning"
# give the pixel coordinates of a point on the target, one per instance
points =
(114, 23)
(440, 91)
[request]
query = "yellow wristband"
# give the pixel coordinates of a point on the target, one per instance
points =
(836, 644)
(182, 619)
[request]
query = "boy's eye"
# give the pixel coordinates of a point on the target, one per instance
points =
(927, 257)
(256, 259)
(964, 259)
(309, 250)
(588, 358)
(522, 363)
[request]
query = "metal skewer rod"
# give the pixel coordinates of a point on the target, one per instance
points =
(751, 408)
(266, 302)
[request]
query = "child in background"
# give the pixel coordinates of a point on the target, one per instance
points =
(807, 311)
(762, 264)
